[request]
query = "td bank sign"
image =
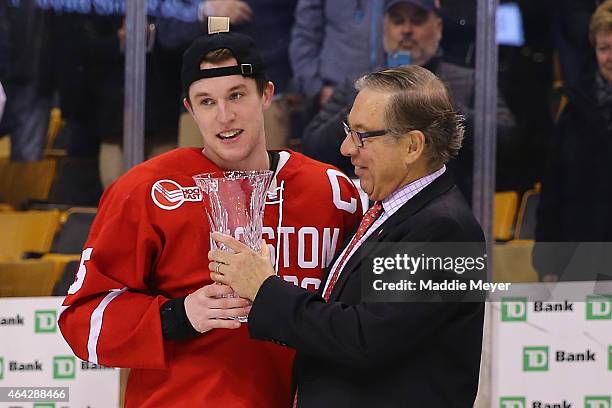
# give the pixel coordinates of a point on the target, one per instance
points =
(597, 402)
(45, 321)
(521, 402)
(537, 358)
(512, 402)
(515, 309)
(64, 367)
(599, 307)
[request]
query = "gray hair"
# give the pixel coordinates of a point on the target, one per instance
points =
(419, 101)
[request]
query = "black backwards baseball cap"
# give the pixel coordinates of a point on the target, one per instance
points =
(243, 48)
(429, 5)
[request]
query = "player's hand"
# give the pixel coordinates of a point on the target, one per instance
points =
(550, 278)
(237, 10)
(244, 270)
(207, 309)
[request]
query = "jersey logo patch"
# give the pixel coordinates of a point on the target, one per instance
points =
(170, 195)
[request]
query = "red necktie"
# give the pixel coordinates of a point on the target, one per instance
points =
(368, 219)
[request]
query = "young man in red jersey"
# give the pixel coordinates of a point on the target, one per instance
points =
(143, 297)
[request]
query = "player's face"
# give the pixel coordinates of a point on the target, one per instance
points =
(603, 50)
(381, 163)
(228, 111)
(411, 28)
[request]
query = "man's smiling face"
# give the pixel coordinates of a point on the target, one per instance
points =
(229, 113)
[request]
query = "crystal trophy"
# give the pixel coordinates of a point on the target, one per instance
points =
(234, 203)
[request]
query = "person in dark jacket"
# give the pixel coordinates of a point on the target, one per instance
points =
(332, 42)
(26, 115)
(354, 351)
(577, 188)
(412, 26)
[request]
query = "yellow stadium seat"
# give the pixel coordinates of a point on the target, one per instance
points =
(56, 124)
(60, 261)
(75, 225)
(27, 278)
(5, 147)
(504, 213)
(27, 231)
(5, 170)
(512, 262)
(21, 181)
(526, 219)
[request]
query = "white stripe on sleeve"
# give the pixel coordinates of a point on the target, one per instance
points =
(95, 325)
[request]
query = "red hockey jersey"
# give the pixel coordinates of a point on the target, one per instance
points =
(149, 243)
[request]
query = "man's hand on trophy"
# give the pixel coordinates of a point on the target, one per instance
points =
(213, 306)
(244, 270)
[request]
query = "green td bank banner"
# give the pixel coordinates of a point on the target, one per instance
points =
(553, 354)
(33, 353)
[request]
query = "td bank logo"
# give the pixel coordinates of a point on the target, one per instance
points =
(514, 309)
(535, 358)
(44, 405)
(64, 367)
(597, 402)
(599, 307)
(512, 402)
(609, 358)
(45, 321)
(1, 368)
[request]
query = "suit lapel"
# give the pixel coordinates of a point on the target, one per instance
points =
(438, 187)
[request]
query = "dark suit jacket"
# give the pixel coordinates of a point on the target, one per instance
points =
(353, 353)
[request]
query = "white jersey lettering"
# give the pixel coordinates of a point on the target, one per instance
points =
(80, 276)
(349, 206)
(329, 245)
(314, 248)
(284, 233)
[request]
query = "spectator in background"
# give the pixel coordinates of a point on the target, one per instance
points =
(269, 23)
(525, 77)
(572, 37)
(332, 42)
(459, 32)
(2, 100)
(4, 46)
(91, 78)
(26, 115)
(413, 26)
(577, 188)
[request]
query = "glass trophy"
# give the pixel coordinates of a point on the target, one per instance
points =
(234, 203)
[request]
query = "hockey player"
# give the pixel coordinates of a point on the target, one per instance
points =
(143, 297)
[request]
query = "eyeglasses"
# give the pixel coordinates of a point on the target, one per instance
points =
(358, 137)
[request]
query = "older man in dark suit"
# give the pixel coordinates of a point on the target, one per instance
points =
(353, 352)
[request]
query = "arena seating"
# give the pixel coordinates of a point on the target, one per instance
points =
(27, 278)
(51, 240)
(526, 218)
(21, 182)
(27, 231)
(504, 215)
